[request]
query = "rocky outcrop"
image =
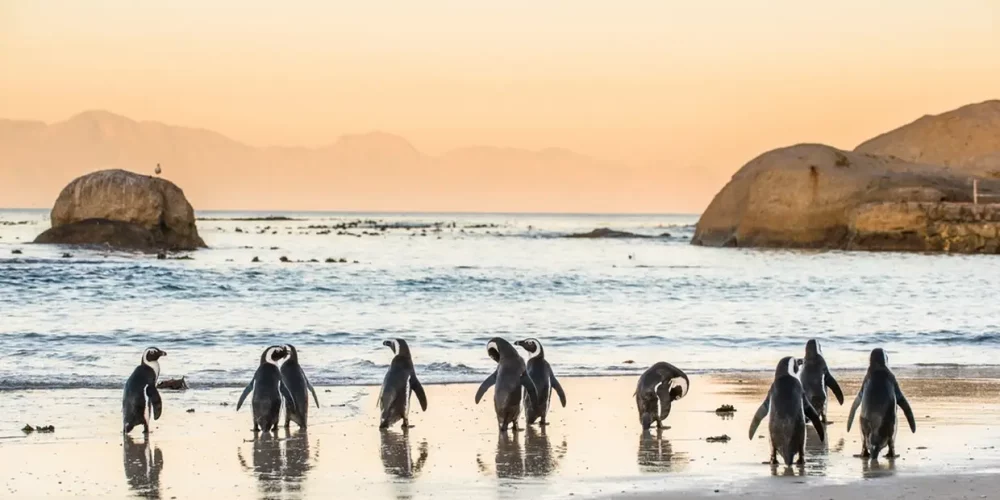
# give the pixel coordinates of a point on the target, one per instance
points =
(878, 197)
(123, 210)
(965, 139)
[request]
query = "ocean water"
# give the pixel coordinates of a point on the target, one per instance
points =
(449, 282)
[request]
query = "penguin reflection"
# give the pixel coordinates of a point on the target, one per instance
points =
(396, 454)
(539, 459)
(143, 463)
(656, 454)
(795, 470)
(509, 461)
(280, 468)
(875, 468)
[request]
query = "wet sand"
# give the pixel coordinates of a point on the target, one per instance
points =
(593, 448)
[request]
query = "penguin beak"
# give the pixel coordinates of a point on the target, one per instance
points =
(519, 343)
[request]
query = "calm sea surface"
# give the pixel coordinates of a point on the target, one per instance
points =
(449, 282)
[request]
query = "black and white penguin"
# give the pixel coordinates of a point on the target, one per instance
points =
(294, 387)
(509, 377)
(658, 387)
(816, 378)
(140, 392)
(786, 402)
(266, 389)
(878, 398)
(545, 382)
(400, 380)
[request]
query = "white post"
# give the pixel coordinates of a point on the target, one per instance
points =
(975, 191)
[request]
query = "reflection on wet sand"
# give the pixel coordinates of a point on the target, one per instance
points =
(279, 464)
(396, 454)
(794, 470)
(657, 455)
(143, 463)
(509, 460)
(539, 459)
(871, 469)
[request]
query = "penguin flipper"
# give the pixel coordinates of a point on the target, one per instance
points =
(311, 389)
(814, 417)
(153, 396)
(761, 413)
(834, 386)
(559, 390)
(854, 408)
(485, 386)
(529, 386)
(246, 392)
(290, 406)
(419, 391)
(905, 405)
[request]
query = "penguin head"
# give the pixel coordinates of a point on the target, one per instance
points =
(499, 348)
(273, 354)
(813, 348)
(787, 366)
(879, 358)
(291, 352)
(533, 346)
(398, 346)
(151, 354)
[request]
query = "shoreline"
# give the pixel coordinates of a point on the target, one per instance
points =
(593, 448)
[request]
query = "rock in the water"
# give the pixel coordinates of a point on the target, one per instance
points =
(812, 196)
(283, 259)
(16, 251)
(255, 259)
(604, 232)
(176, 384)
(103, 232)
(124, 210)
(67, 255)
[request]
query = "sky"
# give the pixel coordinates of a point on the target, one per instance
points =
(685, 88)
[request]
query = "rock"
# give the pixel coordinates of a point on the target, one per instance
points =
(16, 251)
(190, 410)
(811, 195)
(603, 232)
(330, 260)
(726, 409)
(283, 259)
(718, 439)
(966, 139)
(161, 256)
(45, 429)
(173, 384)
(123, 210)
(255, 259)
(67, 255)
(101, 232)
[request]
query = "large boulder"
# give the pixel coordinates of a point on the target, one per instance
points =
(966, 139)
(809, 195)
(909, 189)
(124, 210)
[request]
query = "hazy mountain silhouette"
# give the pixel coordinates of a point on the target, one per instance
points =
(373, 171)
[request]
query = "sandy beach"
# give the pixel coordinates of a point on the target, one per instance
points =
(594, 447)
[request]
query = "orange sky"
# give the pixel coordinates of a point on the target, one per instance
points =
(681, 87)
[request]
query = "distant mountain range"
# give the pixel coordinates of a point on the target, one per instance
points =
(374, 171)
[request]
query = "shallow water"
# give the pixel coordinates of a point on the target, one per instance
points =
(449, 282)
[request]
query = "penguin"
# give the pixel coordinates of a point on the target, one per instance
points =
(140, 393)
(878, 398)
(509, 377)
(293, 388)
(786, 402)
(658, 387)
(266, 389)
(400, 380)
(816, 378)
(545, 382)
